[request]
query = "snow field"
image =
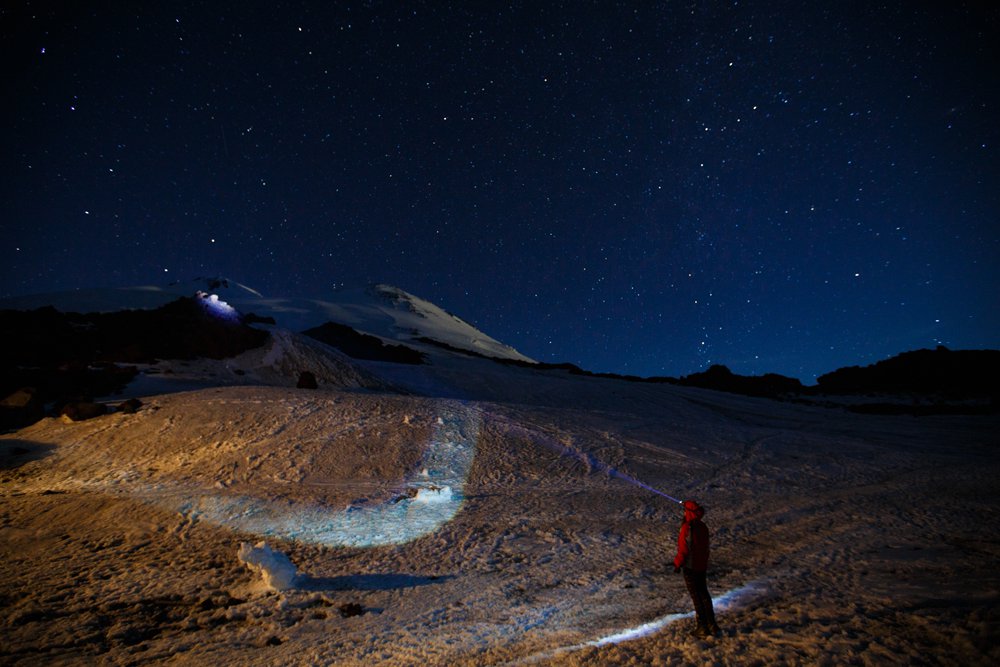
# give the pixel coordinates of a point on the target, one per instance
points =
(875, 536)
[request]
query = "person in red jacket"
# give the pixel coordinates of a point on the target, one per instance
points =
(692, 558)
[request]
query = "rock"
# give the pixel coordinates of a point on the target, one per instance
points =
(21, 408)
(253, 318)
(130, 407)
(350, 609)
(82, 410)
(307, 381)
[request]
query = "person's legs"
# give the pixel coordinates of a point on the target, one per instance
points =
(697, 585)
(708, 610)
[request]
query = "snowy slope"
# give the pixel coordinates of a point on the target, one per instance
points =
(486, 514)
(380, 310)
(837, 538)
(279, 362)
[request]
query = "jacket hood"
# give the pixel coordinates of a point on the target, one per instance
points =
(692, 510)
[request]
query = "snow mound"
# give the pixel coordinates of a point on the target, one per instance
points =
(275, 568)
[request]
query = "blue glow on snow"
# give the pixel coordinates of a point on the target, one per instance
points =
(731, 598)
(727, 600)
(217, 307)
(721, 603)
(638, 631)
(445, 465)
(388, 523)
(589, 460)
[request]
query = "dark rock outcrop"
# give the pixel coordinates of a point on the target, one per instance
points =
(182, 329)
(130, 407)
(67, 355)
(253, 318)
(362, 346)
(307, 380)
(21, 408)
(79, 411)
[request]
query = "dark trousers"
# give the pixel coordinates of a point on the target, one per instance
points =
(698, 588)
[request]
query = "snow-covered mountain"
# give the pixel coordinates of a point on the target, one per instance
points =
(386, 312)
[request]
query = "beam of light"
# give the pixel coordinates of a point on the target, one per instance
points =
(724, 602)
(728, 600)
(638, 631)
(588, 460)
(445, 465)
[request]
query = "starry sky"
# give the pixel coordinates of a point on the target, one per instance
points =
(643, 188)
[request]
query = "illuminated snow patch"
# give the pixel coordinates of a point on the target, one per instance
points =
(727, 600)
(638, 631)
(215, 306)
(721, 603)
(445, 465)
(731, 598)
(389, 523)
(434, 495)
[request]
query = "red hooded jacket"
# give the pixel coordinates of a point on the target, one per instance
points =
(692, 543)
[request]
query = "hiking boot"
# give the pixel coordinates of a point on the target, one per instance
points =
(701, 631)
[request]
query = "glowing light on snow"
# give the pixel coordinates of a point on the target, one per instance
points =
(731, 598)
(727, 600)
(590, 461)
(218, 307)
(638, 631)
(434, 495)
(445, 465)
(721, 603)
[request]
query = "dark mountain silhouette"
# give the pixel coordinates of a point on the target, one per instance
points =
(64, 356)
(940, 371)
(720, 378)
(181, 329)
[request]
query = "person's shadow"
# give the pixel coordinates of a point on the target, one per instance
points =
(367, 582)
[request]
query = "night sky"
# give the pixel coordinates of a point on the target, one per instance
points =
(642, 188)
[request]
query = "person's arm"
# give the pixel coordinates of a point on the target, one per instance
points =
(682, 547)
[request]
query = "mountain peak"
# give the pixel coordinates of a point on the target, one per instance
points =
(211, 285)
(381, 310)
